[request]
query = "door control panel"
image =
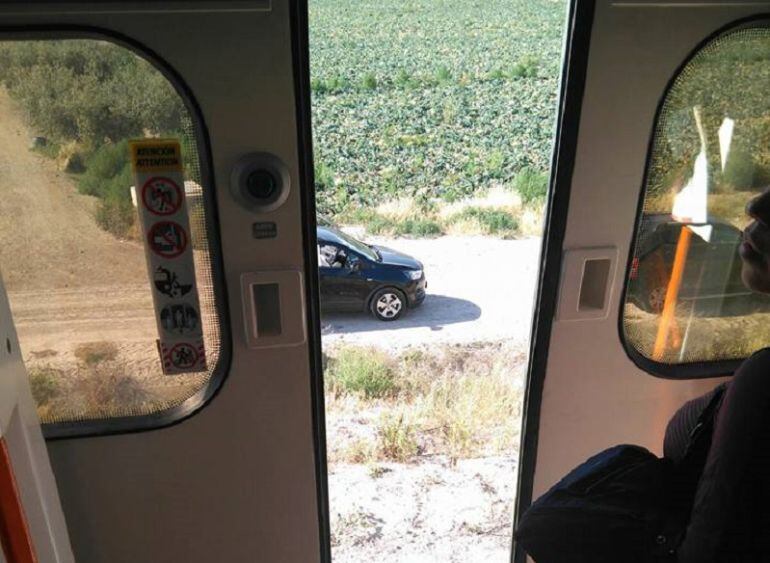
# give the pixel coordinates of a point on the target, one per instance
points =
(587, 280)
(274, 308)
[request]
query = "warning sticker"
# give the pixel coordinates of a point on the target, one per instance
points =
(167, 239)
(162, 196)
(162, 207)
(183, 357)
(173, 282)
(155, 155)
(180, 319)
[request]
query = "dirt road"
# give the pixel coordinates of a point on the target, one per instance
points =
(49, 236)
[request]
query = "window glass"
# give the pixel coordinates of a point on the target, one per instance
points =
(72, 246)
(685, 301)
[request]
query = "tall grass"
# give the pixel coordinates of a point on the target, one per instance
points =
(367, 372)
(456, 401)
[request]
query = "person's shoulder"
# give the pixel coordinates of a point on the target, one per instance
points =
(755, 367)
(761, 356)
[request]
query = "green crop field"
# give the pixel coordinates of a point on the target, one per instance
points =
(430, 99)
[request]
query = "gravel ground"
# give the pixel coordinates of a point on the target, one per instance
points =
(429, 512)
(433, 511)
(479, 289)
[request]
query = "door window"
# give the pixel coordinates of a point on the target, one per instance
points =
(73, 251)
(685, 301)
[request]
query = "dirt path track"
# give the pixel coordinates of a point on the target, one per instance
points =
(50, 239)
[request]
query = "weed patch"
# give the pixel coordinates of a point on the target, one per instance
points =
(525, 68)
(458, 401)
(396, 438)
(369, 81)
(45, 385)
(489, 221)
(94, 353)
(532, 185)
(367, 372)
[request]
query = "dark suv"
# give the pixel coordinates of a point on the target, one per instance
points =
(360, 277)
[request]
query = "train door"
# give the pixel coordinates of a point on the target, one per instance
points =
(170, 331)
(659, 150)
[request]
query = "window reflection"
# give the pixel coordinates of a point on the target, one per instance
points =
(685, 301)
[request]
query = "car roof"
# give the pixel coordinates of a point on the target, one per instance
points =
(330, 234)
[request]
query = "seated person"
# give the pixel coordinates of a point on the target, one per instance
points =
(323, 262)
(730, 518)
(330, 256)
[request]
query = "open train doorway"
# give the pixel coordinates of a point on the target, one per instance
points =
(433, 126)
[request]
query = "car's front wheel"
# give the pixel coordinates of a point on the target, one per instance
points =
(388, 304)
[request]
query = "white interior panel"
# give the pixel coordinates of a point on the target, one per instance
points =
(594, 396)
(20, 430)
(235, 482)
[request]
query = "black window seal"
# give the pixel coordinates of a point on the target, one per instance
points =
(302, 99)
(691, 370)
(577, 40)
(168, 417)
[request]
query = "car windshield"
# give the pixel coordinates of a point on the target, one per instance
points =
(357, 245)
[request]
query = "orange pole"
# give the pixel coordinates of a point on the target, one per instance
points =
(667, 320)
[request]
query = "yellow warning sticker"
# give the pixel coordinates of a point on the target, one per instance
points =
(153, 155)
(161, 201)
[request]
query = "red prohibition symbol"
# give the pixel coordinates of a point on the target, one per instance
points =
(161, 196)
(183, 356)
(167, 239)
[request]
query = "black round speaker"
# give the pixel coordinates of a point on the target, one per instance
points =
(260, 182)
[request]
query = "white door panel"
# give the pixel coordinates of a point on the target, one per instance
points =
(236, 481)
(594, 396)
(22, 439)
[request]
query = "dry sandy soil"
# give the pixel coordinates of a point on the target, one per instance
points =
(429, 512)
(52, 224)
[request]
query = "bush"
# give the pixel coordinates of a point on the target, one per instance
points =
(44, 383)
(69, 158)
(532, 185)
(740, 170)
(93, 353)
(397, 441)
(490, 221)
(117, 215)
(417, 226)
(369, 81)
(108, 177)
(88, 91)
(363, 371)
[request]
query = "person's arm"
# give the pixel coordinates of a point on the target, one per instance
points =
(682, 424)
(733, 491)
